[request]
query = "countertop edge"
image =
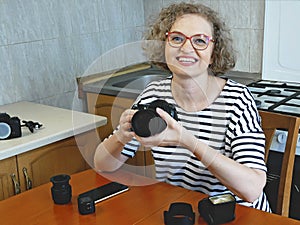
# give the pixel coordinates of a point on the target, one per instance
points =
(25, 147)
(74, 123)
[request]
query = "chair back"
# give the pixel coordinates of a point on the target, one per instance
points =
(270, 123)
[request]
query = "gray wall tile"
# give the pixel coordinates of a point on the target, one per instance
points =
(133, 13)
(241, 38)
(7, 86)
(3, 25)
(22, 19)
(236, 13)
(257, 14)
(256, 54)
(151, 8)
(29, 71)
(50, 43)
(110, 14)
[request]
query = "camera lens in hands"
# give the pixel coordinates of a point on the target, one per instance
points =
(146, 123)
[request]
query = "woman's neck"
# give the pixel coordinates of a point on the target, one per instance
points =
(196, 94)
(191, 94)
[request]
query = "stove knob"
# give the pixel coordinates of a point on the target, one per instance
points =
(281, 138)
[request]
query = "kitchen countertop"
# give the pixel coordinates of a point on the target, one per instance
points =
(58, 124)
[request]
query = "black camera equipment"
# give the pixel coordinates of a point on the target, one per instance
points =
(146, 122)
(86, 205)
(10, 127)
(31, 125)
(61, 190)
(87, 200)
(179, 213)
(217, 209)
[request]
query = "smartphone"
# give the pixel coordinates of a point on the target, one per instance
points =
(104, 192)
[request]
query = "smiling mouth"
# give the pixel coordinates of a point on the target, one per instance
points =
(186, 59)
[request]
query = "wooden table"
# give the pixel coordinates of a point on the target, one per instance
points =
(140, 205)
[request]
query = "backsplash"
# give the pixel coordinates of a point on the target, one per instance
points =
(45, 45)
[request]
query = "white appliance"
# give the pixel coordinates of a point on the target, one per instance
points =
(281, 52)
(281, 58)
(280, 91)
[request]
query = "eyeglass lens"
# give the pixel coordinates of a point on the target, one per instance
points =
(199, 42)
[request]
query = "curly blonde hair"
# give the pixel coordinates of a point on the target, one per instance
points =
(223, 57)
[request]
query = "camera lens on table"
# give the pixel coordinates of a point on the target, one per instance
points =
(61, 190)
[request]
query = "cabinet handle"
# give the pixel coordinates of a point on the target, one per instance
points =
(27, 179)
(16, 184)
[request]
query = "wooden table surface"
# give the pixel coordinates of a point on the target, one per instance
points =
(140, 205)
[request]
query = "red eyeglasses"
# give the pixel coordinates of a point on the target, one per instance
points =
(198, 41)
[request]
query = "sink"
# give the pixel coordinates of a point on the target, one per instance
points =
(128, 85)
(138, 83)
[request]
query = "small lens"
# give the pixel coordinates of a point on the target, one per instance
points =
(61, 190)
(60, 179)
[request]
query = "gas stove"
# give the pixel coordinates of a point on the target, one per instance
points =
(281, 97)
(277, 96)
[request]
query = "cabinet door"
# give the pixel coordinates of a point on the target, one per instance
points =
(112, 107)
(8, 167)
(109, 106)
(42, 163)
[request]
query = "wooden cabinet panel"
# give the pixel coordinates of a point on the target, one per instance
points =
(67, 156)
(112, 107)
(45, 162)
(7, 168)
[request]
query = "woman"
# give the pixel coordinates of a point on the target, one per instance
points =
(217, 144)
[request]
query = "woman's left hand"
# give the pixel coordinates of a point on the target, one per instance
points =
(171, 136)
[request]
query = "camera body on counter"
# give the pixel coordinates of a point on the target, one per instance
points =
(10, 127)
(146, 122)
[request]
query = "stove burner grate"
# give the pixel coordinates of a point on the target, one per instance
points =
(276, 96)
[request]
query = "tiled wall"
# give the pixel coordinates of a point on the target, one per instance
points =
(46, 44)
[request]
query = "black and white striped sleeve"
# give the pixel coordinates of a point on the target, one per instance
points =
(248, 142)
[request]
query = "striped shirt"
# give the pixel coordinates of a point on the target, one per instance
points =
(230, 125)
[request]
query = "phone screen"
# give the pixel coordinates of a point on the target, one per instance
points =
(106, 191)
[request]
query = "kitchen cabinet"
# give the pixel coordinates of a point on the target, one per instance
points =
(65, 144)
(35, 167)
(109, 106)
(8, 167)
(112, 107)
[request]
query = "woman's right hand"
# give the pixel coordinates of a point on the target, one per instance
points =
(124, 133)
